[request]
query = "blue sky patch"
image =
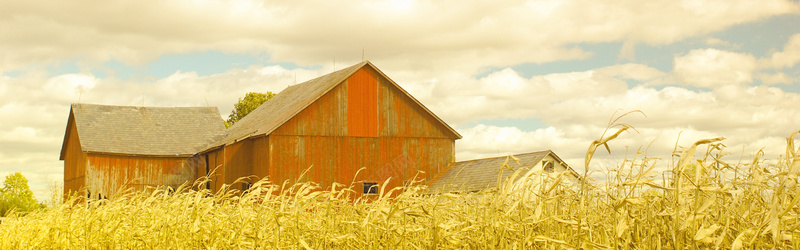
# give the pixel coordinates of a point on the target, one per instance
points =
(15, 73)
(761, 37)
(64, 67)
(603, 54)
(524, 124)
(203, 63)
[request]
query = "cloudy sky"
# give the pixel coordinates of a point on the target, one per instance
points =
(510, 76)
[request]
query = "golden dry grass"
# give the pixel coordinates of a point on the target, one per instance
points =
(701, 203)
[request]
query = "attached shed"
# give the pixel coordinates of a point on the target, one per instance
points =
(354, 126)
(480, 174)
(106, 148)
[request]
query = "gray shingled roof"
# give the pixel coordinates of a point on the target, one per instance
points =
(145, 130)
(291, 101)
(480, 174)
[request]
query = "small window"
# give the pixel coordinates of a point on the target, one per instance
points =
(548, 166)
(370, 187)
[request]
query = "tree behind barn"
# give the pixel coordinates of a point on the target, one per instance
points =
(16, 195)
(244, 106)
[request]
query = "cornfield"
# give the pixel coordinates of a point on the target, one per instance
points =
(701, 202)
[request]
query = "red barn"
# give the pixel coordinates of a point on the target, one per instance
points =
(352, 119)
(106, 148)
(354, 126)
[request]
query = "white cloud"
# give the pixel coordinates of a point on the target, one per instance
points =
(788, 57)
(721, 43)
(421, 35)
(70, 85)
(432, 48)
(628, 51)
(563, 99)
(716, 41)
(711, 68)
(22, 134)
(505, 94)
(491, 141)
(638, 72)
(777, 78)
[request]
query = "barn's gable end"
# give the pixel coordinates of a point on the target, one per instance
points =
(305, 101)
(366, 104)
(67, 135)
(74, 159)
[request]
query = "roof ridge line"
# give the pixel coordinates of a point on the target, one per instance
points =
(497, 157)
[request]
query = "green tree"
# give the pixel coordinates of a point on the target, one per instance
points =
(244, 106)
(16, 195)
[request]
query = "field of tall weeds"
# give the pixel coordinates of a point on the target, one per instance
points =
(700, 202)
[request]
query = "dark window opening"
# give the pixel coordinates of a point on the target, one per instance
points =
(370, 187)
(548, 166)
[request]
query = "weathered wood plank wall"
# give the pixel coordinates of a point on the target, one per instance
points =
(106, 174)
(74, 162)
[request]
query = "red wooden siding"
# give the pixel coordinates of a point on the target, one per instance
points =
(337, 159)
(362, 104)
(260, 157)
(74, 163)
(402, 117)
(247, 158)
(106, 174)
(240, 155)
(326, 116)
(201, 169)
(216, 168)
